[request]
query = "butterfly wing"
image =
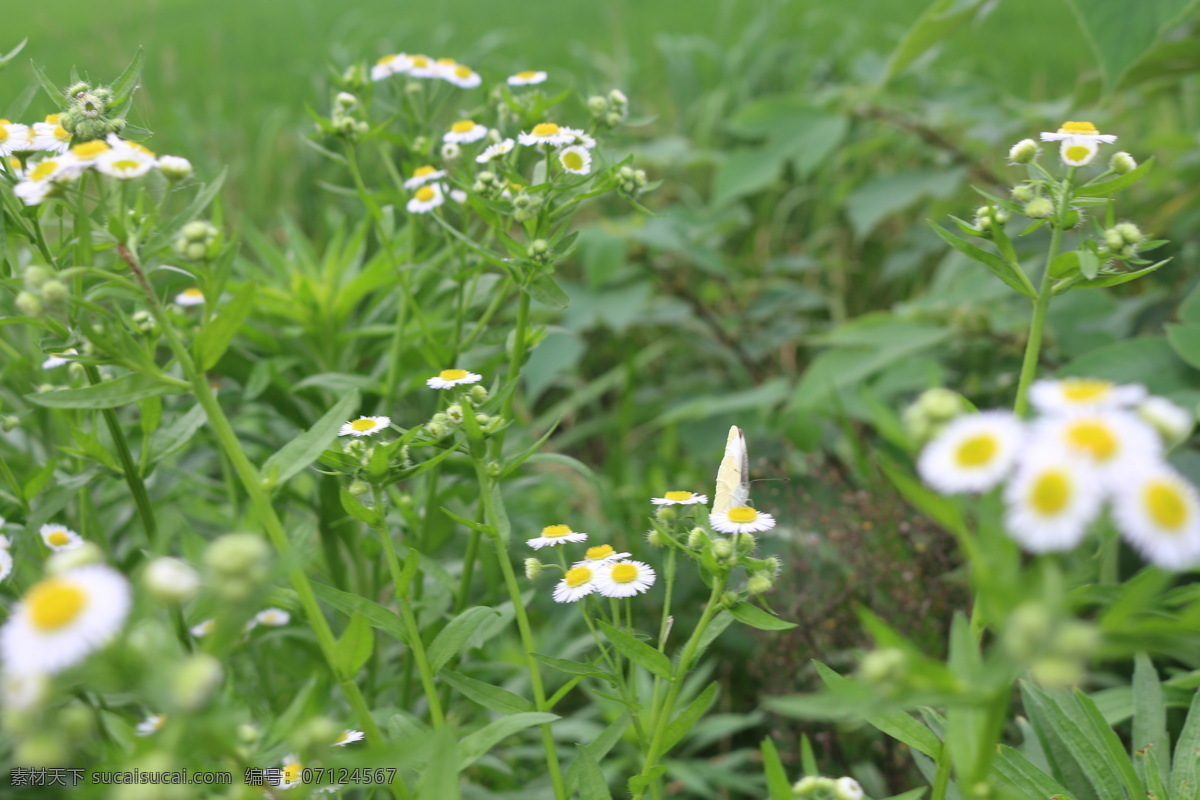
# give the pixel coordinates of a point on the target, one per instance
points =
(733, 477)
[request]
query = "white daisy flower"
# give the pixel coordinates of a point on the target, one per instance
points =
(848, 789)
(624, 579)
(175, 168)
(1078, 130)
(1078, 152)
(14, 166)
(190, 297)
(203, 628)
(458, 196)
(425, 199)
(348, 736)
(365, 426)
(23, 691)
(85, 155)
(6, 563)
(249, 625)
(555, 535)
(423, 175)
(579, 138)
(14, 138)
(126, 160)
(546, 133)
(150, 724)
(600, 554)
(59, 537)
(495, 151)
(1071, 394)
(973, 453)
(273, 617)
(422, 67)
(448, 378)
(390, 65)
(741, 519)
(1158, 511)
(1051, 500)
(63, 618)
(292, 772)
(462, 76)
(50, 135)
(679, 499)
(1111, 441)
(1173, 422)
(58, 359)
(526, 78)
(578, 583)
(465, 131)
(575, 159)
(42, 177)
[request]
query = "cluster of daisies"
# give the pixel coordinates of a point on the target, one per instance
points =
(64, 163)
(1094, 443)
(738, 519)
(446, 69)
(602, 570)
(446, 379)
(268, 617)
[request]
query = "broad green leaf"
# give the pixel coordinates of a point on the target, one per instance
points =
(490, 697)
(355, 508)
(1148, 360)
(778, 785)
(747, 170)
(637, 651)
(212, 342)
(1114, 185)
(1189, 310)
(881, 196)
(1019, 774)
(687, 719)
(126, 82)
(592, 784)
(439, 778)
(1185, 767)
(351, 604)
(937, 23)
(572, 667)
(455, 635)
(546, 291)
(1185, 340)
(598, 748)
(1010, 273)
(354, 646)
(308, 446)
(1120, 33)
(1149, 717)
(474, 746)
(756, 617)
(109, 394)
(898, 725)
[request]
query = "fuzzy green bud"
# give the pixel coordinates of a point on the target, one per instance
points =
(144, 321)
(772, 566)
(655, 538)
(195, 680)
(538, 250)
(454, 413)
(666, 513)
(722, 550)
(1039, 208)
(55, 293)
(1023, 193)
(526, 207)
(730, 599)
(76, 89)
(76, 371)
(618, 98)
(345, 101)
(1056, 672)
(1131, 233)
(316, 733)
(1113, 240)
(359, 488)
(435, 430)
(238, 564)
(495, 469)
(477, 395)
(533, 568)
(759, 583)
(597, 105)
(29, 304)
(36, 277)
(696, 538)
(814, 787)
(885, 667)
(745, 542)
(1028, 631)
(613, 118)
(171, 580)
(1023, 152)
(930, 412)
(989, 217)
(1122, 163)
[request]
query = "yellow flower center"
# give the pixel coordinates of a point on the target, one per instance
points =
(527, 75)
(426, 193)
(463, 126)
(421, 172)
(58, 538)
(742, 515)
(598, 552)
(516, 187)
(361, 425)
(463, 71)
(446, 62)
(3, 132)
(43, 170)
(52, 119)
(193, 293)
(292, 772)
(1050, 492)
(577, 576)
(572, 160)
(386, 59)
(624, 573)
(146, 151)
(420, 62)
(54, 603)
(556, 531)
(126, 165)
(1083, 390)
(1078, 152)
(976, 451)
(1094, 438)
(60, 133)
(545, 129)
(1166, 505)
(679, 495)
(452, 374)
(15, 163)
(90, 149)
(1085, 128)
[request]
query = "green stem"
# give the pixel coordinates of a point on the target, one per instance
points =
(468, 570)
(1033, 346)
(133, 477)
(516, 360)
(415, 644)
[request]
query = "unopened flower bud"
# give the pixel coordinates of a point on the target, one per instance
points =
(495, 469)
(175, 168)
(1023, 193)
(451, 151)
(359, 488)
(888, 666)
(722, 549)
(345, 101)
(477, 394)
(454, 413)
(1023, 151)
(76, 370)
(55, 293)
(618, 98)
(666, 513)
(1131, 233)
(730, 599)
(1039, 208)
(35, 277)
(1122, 163)
(29, 304)
(195, 681)
(758, 584)
(745, 542)
(612, 119)
(848, 789)
(1056, 672)
(1173, 423)
(538, 248)
(435, 430)
(9, 423)
(655, 538)
(533, 568)
(76, 89)
(171, 580)
(597, 105)
(238, 564)
(696, 538)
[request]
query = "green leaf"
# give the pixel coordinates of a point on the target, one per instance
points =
(1114, 185)
(1185, 769)
(747, 170)
(354, 507)
(939, 20)
(354, 647)
(1148, 360)
(572, 667)
(439, 778)
(308, 446)
(778, 785)
(1115, 280)
(883, 195)
(1089, 264)
(38, 480)
(898, 725)
(808, 759)
(546, 291)
(51, 88)
(1120, 32)
(598, 748)
(1149, 717)
(126, 82)
(1011, 274)
(756, 617)
(1189, 309)
(11, 54)
(351, 604)
(592, 784)
(109, 394)
(1019, 774)
(474, 746)
(638, 651)
(490, 697)
(212, 342)
(1185, 341)
(687, 719)
(486, 530)
(455, 635)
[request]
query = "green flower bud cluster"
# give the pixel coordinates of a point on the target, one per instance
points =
(89, 114)
(631, 182)
(144, 322)
(930, 413)
(610, 110)
(526, 207)
(43, 293)
(989, 217)
(197, 241)
(539, 251)
(1122, 239)
(488, 184)
(1055, 649)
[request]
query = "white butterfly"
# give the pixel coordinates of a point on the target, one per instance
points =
(733, 478)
